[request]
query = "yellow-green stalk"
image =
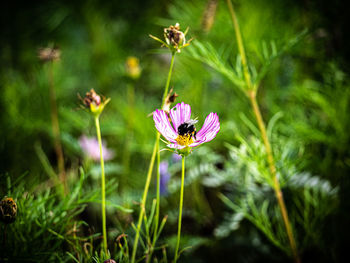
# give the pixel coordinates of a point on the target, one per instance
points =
(251, 93)
(180, 209)
(96, 106)
(149, 174)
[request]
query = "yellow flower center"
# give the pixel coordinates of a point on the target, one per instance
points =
(184, 140)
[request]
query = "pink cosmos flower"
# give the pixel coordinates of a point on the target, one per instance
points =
(182, 133)
(91, 149)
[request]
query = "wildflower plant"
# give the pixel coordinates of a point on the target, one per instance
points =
(181, 134)
(183, 137)
(175, 40)
(95, 105)
(49, 55)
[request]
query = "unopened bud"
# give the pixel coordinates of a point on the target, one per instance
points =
(109, 261)
(93, 102)
(171, 97)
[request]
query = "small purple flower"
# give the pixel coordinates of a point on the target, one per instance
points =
(175, 158)
(91, 149)
(182, 133)
(164, 177)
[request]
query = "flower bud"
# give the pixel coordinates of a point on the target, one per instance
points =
(92, 98)
(170, 99)
(174, 37)
(94, 102)
(132, 66)
(8, 210)
(109, 261)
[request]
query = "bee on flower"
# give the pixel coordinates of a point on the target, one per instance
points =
(175, 39)
(181, 133)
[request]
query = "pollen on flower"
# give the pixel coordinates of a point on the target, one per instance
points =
(184, 140)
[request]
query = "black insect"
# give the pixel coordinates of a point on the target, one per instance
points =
(187, 129)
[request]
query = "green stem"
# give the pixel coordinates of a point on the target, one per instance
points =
(180, 209)
(155, 234)
(150, 169)
(103, 187)
(169, 78)
(252, 97)
(276, 184)
(144, 198)
(240, 45)
(56, 130)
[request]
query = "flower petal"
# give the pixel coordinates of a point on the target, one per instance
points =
(209, 130)
(180, 114)
(163, 125)
(175, 146)
(196, 143)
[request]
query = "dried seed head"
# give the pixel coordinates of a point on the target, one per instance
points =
(49, 54)
(209, 15)
(93, 102)
(132, 66)
(8, 210)
(174, 37)
(92, 98)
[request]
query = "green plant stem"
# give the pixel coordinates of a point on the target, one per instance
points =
(272, 167)
(169, 78)
(150, 169)
(252, 90)
(240, 45)
(56, 129)
(180, 209)
(103, 187)
(144, 198)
